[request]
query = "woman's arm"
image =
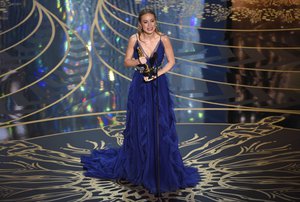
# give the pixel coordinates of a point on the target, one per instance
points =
(129, 61)
(170, 56)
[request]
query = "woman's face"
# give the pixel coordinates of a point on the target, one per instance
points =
(148, 23)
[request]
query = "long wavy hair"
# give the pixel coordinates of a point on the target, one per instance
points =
(143, 12)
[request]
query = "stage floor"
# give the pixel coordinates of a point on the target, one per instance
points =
(237, 162)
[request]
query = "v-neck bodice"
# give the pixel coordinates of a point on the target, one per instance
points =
(158, 52)
(155, 48)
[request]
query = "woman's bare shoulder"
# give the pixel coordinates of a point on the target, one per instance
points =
(164, 37)
(133, 37)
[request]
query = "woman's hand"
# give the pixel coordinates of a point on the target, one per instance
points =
(142, 60)
(146, 78)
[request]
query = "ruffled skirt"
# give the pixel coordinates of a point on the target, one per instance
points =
(140, 160)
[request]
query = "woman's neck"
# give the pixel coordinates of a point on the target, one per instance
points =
(148, 36)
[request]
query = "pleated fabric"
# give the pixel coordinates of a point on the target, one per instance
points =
(150, 152)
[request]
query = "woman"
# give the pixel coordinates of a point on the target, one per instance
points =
(149, 155)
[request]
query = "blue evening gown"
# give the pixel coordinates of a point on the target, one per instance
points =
(136, 160)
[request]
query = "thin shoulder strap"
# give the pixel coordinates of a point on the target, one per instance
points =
(137, 36)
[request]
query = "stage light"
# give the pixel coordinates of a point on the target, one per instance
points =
(111, 75)
(42, 83)
(101, 85)
(58, 4)
(66, 45)
(200, 115)
(89, 45)
(67, 5)
(89, 108)
(101, 123)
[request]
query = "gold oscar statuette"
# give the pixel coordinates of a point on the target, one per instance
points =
(141, 54)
